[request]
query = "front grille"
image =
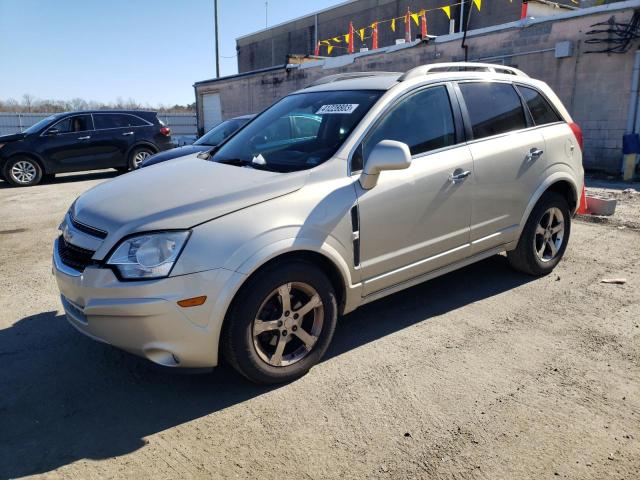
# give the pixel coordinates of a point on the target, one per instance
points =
(96, 232)
(74, 257)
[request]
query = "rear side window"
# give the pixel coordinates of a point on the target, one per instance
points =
(540, 109)
(493, 108)
(114, 120)
(423, 120)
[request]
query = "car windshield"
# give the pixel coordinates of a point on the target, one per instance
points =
(41, 124)
(299, 132)
(221, 132)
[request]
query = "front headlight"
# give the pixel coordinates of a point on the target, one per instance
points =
(151, 255)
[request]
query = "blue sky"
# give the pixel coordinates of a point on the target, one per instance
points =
(149, 50)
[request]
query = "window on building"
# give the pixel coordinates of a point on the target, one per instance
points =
(493, 108)
(540, 109)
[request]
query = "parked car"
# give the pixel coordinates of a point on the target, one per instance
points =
(213, 137)
(253, 251)
(76, 141)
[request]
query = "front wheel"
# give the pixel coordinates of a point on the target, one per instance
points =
(23, 172)
(281, 323)
(544, 238)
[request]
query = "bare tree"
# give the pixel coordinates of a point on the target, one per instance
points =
(27, 101)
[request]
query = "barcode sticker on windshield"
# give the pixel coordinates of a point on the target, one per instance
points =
(345, 108)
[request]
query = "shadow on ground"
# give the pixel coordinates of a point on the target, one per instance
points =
(64, 397)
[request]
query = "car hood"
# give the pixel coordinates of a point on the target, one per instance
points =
(175, 153)
(177, 195)
(12, 138)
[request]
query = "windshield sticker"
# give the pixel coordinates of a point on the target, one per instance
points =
(343, 108)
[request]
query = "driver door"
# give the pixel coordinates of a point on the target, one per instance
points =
(70, 144)
(416, 220)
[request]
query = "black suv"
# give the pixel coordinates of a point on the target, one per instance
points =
(75, 141)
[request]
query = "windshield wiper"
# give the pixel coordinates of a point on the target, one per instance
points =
(238, 162)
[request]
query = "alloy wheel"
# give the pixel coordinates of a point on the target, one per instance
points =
(139, 158)
(288, 324)
(549, 235)
(23, 172)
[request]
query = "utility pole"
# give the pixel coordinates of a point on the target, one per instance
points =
(266, 14)
(215, 6)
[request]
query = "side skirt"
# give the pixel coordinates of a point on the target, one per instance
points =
(433, 274)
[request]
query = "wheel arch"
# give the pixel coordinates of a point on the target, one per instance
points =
(142, 143)
(33, 156)
(560, 182)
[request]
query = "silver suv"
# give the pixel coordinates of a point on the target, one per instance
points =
(339, 194)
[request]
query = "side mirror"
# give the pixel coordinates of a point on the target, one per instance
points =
(53, 132)
(386, 155)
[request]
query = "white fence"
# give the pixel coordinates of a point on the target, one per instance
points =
(181, 124)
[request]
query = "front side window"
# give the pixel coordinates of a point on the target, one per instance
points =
(423, 120)
(540, 109)
(493, 108)
(74, 124)
(299, 132)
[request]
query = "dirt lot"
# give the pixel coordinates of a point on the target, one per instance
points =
(483, 373)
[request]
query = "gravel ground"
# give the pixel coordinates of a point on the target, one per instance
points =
(483, 373)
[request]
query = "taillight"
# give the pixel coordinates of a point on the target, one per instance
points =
(577, 131)
(166, 131)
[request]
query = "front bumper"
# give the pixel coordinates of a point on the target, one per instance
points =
(143, 317)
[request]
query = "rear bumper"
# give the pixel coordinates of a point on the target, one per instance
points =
(143, 317)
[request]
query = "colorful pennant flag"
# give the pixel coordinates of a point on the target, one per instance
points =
(447, 10)
(477, 3)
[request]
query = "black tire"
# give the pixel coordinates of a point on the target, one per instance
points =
(134, 156)
(525, 257)
(237, 339)
(27, 164)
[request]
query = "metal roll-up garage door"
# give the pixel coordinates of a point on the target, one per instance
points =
(211, 110)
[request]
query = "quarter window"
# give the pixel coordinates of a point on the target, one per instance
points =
(540, 109)
(493, 108)
(424, 121)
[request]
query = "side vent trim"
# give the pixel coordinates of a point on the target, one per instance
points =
(355, 234)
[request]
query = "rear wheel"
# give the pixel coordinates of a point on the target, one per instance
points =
(281, 323)
(138, 156)
(23, 172)
(544, 238)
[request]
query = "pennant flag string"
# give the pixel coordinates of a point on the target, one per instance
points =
(419, 18)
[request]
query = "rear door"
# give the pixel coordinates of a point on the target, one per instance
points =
(115, 135)
(69, 144)
(508, 160)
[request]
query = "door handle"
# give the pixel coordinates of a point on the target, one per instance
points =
(458, 175)
(534, 154)
(127, 133)
(84, 138)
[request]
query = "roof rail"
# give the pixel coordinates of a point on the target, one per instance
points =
(348, 76)
(460, 67)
